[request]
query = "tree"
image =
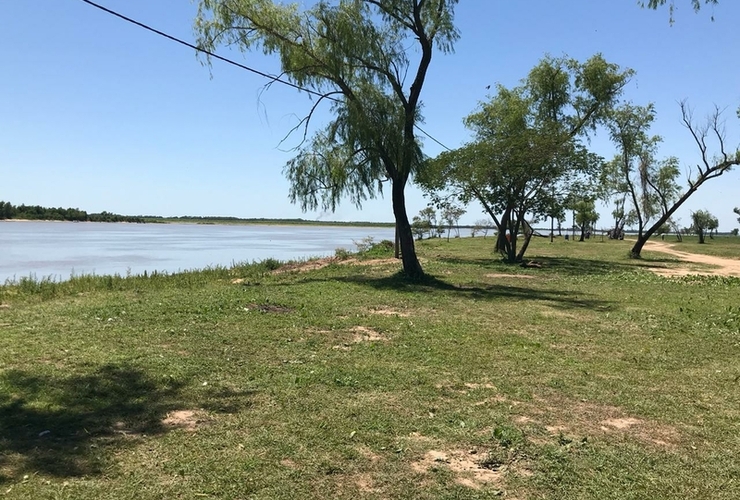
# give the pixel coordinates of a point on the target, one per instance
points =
(737, 212)
(451, 214)
(703, 221)
(586, 215)
(696, 4)
(654, 192)
(481, 226)
(634, 174)
(425, 222)
(357, 54)
(527, 154)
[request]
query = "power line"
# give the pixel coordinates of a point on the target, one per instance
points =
(207, 52)
(229, 61)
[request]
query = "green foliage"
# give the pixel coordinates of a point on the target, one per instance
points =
(586, 214)
(356, 54)
(528, 153)
(695, 4)
(425, 223)
(702, 222)
(36, 212)
(634, 174)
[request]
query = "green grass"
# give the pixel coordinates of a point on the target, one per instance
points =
(589, 377)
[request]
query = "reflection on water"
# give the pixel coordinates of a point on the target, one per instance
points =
(60, 249)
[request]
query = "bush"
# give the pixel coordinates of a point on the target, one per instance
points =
(342, 254)
(382, 249)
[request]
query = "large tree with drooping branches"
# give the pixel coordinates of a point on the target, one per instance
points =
(368, 59)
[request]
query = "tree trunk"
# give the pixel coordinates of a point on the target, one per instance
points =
(411, 266)
(528, 232)
(701, 235)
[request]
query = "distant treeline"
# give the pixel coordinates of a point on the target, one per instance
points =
(36, 212)
(261, 220)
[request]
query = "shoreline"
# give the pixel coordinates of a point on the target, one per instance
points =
(277, 222)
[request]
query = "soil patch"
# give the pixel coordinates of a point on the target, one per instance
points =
(560, 416)
(313, 265)
(188, 420)
(365, 334)
(465, 466)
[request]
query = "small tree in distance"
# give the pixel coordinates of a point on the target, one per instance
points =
(703, 222)
(482, 226)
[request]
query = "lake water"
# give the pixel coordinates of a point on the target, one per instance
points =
(60, 249)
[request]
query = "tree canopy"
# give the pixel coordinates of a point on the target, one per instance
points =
(357, 54)
(703, 221)
(651, 186)
(527, 153)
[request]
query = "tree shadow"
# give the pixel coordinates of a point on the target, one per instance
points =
(565, 266)
(61, 426)
(430, 284)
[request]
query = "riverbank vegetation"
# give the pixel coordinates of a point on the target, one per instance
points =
(36, 212)
(583, 375)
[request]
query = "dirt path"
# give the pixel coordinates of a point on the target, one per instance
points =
(724, 267)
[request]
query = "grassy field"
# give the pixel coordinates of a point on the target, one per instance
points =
(586, 378)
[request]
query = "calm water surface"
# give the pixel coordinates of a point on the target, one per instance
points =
(60, 249)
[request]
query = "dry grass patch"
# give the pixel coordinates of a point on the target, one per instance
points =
(389, 312)
(561, 416)
(365, 334)
(467, 468)
(187, 420)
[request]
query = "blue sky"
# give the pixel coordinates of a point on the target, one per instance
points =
(98, 114)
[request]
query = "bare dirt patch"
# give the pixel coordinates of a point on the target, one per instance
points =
(188, 420)
(290, 464)
(466, 467)
(723, 266)
(304, 267)
(358, 335)
(621, 423)
(365, 334)
(313, 265)
(485, 385)
(364, 483)
(560, 416)
(4, 306)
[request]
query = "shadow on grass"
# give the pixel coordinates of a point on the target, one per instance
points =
(61, 426)
(566, 266)
(430, 284)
